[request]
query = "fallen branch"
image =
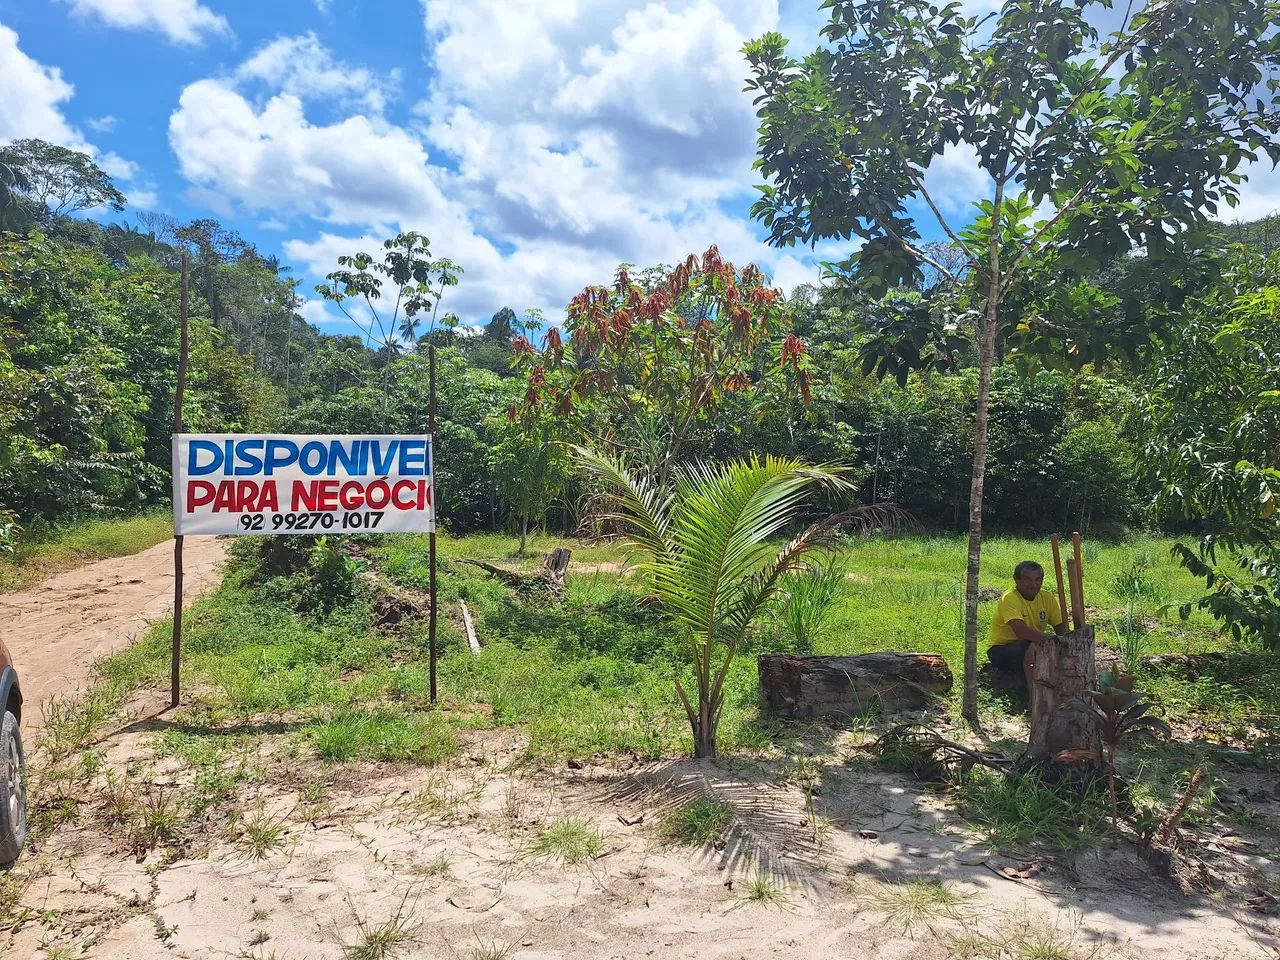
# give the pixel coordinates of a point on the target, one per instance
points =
(1168, 831)
(929, 756)
(548, 578)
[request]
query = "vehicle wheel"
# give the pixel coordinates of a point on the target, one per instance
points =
(13, 791)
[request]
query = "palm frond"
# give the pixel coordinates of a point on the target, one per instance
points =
(723, 518)
(641, 506)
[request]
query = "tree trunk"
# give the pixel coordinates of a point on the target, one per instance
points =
(524, 533)
(985, 357)
(1065, 668)
(704, 736)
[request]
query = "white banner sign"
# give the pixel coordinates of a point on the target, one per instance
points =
(245, 483)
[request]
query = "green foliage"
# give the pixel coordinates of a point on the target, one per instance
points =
(1214, 426)
(707, 555)
(1096, 468)
(384, 735)
(331, 577)
(1137, 132)
(52, 181)
(530, 466)
(572, 840)
(646, 365)
(699, 822)
(415, 284)
(1117, 711)
(1026, 808)
(809, 597)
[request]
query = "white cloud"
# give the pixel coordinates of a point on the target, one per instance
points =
(103, 124)
(1259, 197)
(304, 67)
(556, 141)
(33, 97)
(32, 107)
(181, 21)
(314, 310)
(358, 171)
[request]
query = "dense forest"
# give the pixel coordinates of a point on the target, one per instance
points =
(1173, 362)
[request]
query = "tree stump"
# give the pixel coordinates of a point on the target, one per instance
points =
(1065, 668)
(839, 688)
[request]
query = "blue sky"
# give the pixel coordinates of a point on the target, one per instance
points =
(536, 143)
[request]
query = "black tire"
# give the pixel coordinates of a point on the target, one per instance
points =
(13, 791)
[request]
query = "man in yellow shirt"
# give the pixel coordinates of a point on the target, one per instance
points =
(1023, 616)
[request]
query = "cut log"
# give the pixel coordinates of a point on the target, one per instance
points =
(838, 688)
(1065, 669)
(548, 578)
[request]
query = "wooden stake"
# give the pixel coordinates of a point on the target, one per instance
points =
(1057, 574)
(435, 505)
(472, 640)
(176, 654)
(1077, 598)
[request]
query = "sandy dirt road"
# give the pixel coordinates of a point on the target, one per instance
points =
(58, 628)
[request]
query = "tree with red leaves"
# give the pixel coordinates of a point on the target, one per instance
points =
(643, 368)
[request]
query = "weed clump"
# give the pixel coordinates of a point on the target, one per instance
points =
(1029, 809)
(909, 904)
(698, 822)
(572, 840)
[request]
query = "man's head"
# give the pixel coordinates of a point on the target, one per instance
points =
(1028, 577)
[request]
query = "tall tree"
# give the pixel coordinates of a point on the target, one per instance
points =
(502, 326)
(415, 284)
(646, 365)
(1090, 145)
(58, 181)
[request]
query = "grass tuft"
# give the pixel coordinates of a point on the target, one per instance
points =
(572, 839)
(384, 940)
(262, 835)
(918, 901)
(699, 822)
(763, 890)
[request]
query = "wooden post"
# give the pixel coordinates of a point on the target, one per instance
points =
(176, 655)
(1057, 573)
(1077, 581)
(435, 515)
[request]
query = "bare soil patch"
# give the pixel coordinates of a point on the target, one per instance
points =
(57, 629)
(838, 860)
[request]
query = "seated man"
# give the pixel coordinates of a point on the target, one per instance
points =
(1023, 616)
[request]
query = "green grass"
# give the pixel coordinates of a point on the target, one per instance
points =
(384, 734)
(595, 675)
(1025, 810)
(913, 902)
(65, 548)
(763, 890)
(572, 840)
(698, 822)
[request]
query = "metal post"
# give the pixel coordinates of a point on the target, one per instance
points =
(176, 656)
(435, 514)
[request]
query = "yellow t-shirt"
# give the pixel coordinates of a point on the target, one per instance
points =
(1041, 613)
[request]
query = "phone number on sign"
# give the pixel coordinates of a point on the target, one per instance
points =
(312, 521)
